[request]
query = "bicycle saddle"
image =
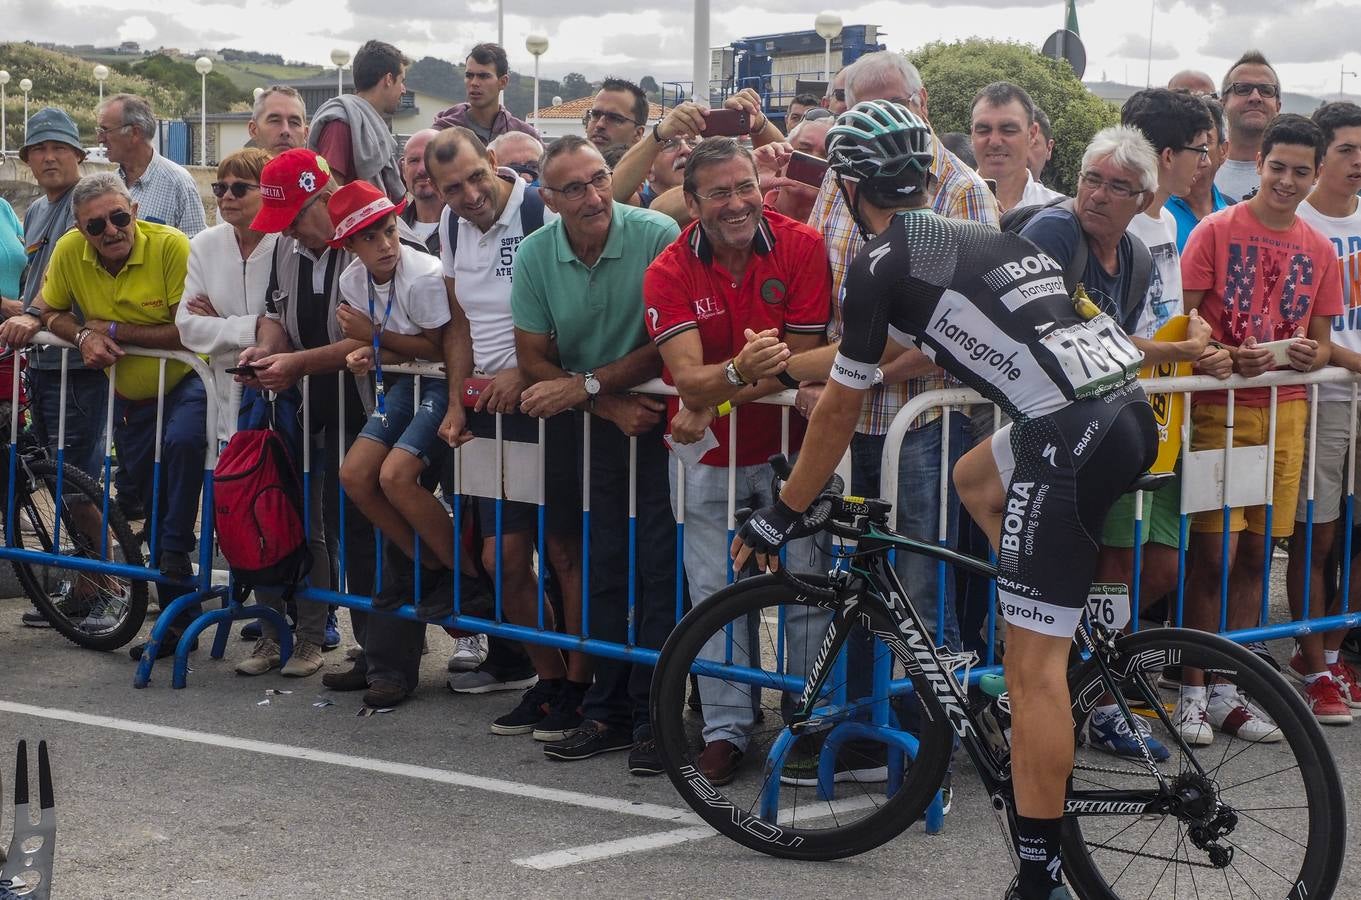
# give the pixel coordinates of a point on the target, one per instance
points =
(1150, 481)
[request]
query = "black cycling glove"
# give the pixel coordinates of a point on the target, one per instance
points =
(768, 528)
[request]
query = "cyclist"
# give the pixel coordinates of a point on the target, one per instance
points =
(991, 309)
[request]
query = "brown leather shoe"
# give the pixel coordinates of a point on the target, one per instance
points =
(384, 695)
(352, 679)
(719, 761)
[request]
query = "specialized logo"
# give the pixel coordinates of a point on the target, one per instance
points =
(1092, 428)
(773, 291)
(877, 254)
(1049, 452)
(1104, 807)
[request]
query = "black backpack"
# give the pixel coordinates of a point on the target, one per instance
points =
(1015, 220)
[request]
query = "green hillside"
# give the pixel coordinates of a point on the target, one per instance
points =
(68, 82)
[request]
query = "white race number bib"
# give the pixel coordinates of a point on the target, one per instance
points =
(1095, 355)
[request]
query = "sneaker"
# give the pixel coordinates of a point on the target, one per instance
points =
(34, 618)
(719, 760)
(1348, 682)
(1060, 892)
(530, 711)
(100, 618)
(591, 739)
(1111, 733)
(469, 653)
(352, 679)
(565, 715)
(947, 792)
(353, 653)
(866, 766)
(331, 637)
(264, 657)
(480, 681)
(1191, 722)
(306, 660)
(644, 760)
(1170, 678)
(166, 648)
(1325, 702)
(1233, 715)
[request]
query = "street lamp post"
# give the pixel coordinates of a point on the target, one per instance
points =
(25, 85)
(1341, 80)
(4, 80)
(340, 58)
(536, 44)
(101, 75)
(828, 26)
(203, 65)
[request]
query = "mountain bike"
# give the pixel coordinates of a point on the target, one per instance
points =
(96, 610)
(842, 768)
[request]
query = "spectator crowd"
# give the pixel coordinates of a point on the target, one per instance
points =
(550, 281)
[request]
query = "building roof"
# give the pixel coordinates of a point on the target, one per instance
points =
(575, 109)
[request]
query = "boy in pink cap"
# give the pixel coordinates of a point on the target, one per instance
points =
(396, 304)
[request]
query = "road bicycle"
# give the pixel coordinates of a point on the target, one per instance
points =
(841, 768)
(97, 610)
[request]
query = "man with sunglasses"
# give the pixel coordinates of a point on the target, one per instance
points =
(1194, 82)
(520, 153)
(486, 72)
(128, 276)
(1252, 98)
(577, 303)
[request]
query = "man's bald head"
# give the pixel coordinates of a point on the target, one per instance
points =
(518, 151)
(1195, 81)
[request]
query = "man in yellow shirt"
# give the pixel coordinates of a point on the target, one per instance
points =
(127, 276)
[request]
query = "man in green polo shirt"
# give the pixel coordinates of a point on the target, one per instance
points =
(127, 276)
(577, 303)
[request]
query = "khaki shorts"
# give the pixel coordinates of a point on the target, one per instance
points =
(1251, 426)
(1331, 447)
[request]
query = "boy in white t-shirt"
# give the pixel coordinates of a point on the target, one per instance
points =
(1332, 209)
(395, 302)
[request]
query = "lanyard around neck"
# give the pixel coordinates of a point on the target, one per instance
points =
(378, 327)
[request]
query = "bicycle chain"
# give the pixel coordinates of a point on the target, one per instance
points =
(1177, 860)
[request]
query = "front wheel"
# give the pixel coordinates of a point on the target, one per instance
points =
(95, 610)
(766, 639)
(1244, 818)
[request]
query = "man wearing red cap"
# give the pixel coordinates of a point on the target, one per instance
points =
(299, 336)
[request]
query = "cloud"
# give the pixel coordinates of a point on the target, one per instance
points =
(1300, 37)
(1135, 46)
(101, 25)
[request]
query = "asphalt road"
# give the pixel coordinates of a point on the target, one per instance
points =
(208, 793)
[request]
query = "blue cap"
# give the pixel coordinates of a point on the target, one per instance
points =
(51, 124)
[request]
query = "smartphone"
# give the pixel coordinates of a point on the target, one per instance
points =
(248, 371)
(806, 168)
(473, 388)
(1280, 351)
(727, 123)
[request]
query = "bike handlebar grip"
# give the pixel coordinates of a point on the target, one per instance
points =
(779, 464)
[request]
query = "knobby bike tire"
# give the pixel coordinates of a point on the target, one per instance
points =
(1321, 860)
(32, 504)
(738, 819)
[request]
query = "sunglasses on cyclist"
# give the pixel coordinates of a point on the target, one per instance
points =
(1244, 88)
(237, 189)
(120, 219)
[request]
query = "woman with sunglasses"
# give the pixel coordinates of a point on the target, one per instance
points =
(224, 294)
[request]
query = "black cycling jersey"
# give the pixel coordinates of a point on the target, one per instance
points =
(988, 307)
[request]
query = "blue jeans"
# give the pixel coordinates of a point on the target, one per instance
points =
(917, 508)
(729, 707)
(183, 448)
(87, 398)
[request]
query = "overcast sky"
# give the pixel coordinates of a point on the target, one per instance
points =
(633, 38)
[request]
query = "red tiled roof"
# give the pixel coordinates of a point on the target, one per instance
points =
(575, 109)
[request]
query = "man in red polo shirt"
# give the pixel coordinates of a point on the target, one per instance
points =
(726, 303)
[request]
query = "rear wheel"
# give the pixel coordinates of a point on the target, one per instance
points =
(1251, 819)
(870, 793)
(95, 610)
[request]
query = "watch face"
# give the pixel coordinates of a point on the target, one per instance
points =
(592, 385)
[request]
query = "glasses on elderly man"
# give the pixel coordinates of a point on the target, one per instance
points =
(577, 189)
(237, 189)
(1117, 189)
(119, 218)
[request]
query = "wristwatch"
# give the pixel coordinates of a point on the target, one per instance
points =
(734, 377)
(592, 384)
(33, 311)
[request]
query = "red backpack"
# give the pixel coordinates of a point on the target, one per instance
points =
(258, 511)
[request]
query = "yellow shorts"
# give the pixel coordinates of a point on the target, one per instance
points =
(1251, 426)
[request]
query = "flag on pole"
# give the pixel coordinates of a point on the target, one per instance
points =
(1070, 16)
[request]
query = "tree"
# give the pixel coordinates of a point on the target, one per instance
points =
(953, 73)
(574, 86)
(649, 84)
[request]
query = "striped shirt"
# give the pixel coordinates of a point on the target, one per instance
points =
(167, 195)
(960, 194)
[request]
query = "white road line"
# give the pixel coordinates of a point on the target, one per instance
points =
(426, 773)
(572, 856)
